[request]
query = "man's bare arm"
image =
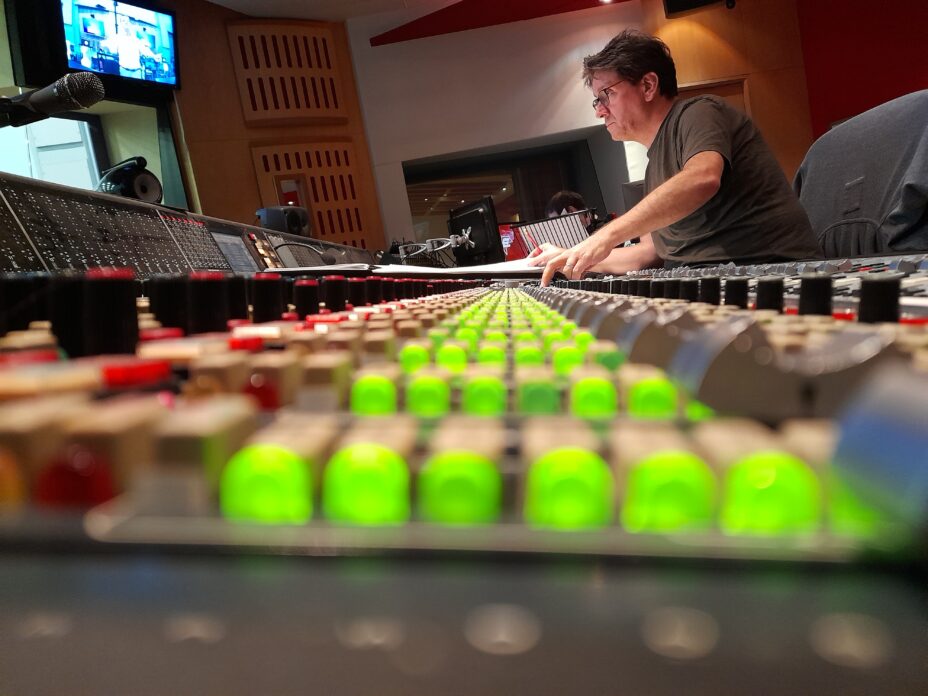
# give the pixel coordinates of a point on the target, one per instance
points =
(682, 194)
(631, 258)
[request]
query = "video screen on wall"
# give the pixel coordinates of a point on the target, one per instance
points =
(119, 38)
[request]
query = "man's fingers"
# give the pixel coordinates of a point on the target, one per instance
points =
(552, 267)
(581, 266)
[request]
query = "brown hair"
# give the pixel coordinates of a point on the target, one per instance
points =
(632, 55)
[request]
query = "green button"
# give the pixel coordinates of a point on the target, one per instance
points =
(568, 328)
(413, 357)
(460, 487)
(569, 488)
(770, 492)
(583, 339)
(373, 395)
(366, 484)
(539, 397)
(652, 397)
(428, 396)
(566, 359)
(698, 411)
(552, 337)
(529, 354)
(669, 491)
(451, 357)
(437, 337)
(468, 336)
(266, 483)
(491, 354)
(496, 336)
(484, 395)
(593, 397)
(611, 359)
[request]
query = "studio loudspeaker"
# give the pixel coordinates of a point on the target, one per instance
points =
(286, 218)
(676, 6)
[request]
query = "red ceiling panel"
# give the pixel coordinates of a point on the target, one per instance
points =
(474, 14)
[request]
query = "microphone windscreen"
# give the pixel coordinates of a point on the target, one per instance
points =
(82, 89)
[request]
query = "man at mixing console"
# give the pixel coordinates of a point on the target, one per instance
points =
(713, 190)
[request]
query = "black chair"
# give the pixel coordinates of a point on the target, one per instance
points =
(864, 184)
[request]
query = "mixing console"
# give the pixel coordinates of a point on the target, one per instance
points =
(702, 472)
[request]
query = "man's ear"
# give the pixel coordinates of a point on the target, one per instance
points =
(650, 83)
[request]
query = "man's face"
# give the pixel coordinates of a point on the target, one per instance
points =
(620, 104)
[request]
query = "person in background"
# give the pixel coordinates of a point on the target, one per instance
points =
(714, 192)
(564, 203)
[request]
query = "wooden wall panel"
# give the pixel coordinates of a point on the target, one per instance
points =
(214, 140)
(286, 72)
(757, 42)
(328, 172)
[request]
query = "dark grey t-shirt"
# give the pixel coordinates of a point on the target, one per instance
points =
(755, 217)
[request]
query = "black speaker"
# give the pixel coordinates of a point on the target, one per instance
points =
(676, 6)
(286, 218)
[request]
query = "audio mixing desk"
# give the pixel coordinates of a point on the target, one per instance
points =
(222, 475)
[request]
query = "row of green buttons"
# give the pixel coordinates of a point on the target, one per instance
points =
(429, 396)
(564, 356)
(767, 492)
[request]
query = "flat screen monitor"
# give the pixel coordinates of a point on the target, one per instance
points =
(121, 39)
(474, 224)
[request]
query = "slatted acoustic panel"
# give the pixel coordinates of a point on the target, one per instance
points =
(286, 72)
(328, 176)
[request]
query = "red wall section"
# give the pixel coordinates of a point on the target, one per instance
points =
(861, 53)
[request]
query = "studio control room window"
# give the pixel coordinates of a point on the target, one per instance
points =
(77, 149)
(57, 150)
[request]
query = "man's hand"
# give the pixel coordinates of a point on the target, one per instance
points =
(542, 254)
(579, 258)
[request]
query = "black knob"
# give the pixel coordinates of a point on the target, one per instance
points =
(66, 309)
(41, 292)
(710, 290)
(644, 287)
(815, 294)
(237, 289)
(375, 290)
(621, 286)
(736, 292)
(207, 302)
(769, 294)
(672, 288)
(357, 292)
(17, 301)
(657, 287)
(335, 292)
(388, 289)
(111, 322)
(689, 289)
(879, 297)
(306, 296)
(268, 294)
(167, 300)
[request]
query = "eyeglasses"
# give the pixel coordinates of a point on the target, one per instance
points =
(603, 98)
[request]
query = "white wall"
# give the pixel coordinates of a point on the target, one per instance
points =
(472, 89)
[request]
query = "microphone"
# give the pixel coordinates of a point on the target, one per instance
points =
(72, 92)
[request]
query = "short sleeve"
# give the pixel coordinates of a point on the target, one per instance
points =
(703, 127)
